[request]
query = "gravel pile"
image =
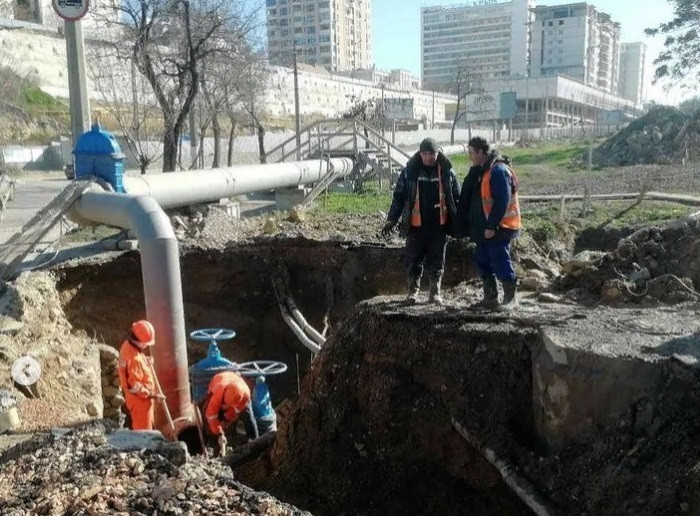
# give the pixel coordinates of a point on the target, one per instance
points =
(220, 230)
(81, 474)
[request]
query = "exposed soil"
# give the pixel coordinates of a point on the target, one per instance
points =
(233, 289)
(663, 135)
(33, 323)
(652, 265)
(371, 432)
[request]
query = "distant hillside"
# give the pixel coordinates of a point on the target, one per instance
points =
(27, 114)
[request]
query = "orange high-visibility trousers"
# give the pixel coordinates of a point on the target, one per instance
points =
(141, 412)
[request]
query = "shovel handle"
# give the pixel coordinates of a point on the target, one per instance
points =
(163, 402)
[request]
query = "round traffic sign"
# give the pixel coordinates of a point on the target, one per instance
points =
(71, 10)
(25, 370)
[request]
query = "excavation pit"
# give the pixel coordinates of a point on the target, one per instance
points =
(422, 409)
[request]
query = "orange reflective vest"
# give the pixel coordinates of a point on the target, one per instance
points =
(224, 409)
(136, 379)
(511, 219)
(415, 213)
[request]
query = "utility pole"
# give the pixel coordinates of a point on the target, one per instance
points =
(297, 121)
(193, 134)
(432, 124)
(383, 111)
(77, 83)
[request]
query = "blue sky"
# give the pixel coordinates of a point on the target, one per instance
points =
(396, 30)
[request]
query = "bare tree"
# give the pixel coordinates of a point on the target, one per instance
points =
(168, 41)
(252, 85)
(128, 98)
(465, 83)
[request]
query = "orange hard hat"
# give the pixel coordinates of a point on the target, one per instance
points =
(236, 396)
(143, 334)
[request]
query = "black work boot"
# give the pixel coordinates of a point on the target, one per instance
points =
(413, 290)
(435, 290)
(510, 300)
(490, 300)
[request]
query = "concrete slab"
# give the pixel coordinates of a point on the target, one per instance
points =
(603, 362)
(130, 440)
(588, 365)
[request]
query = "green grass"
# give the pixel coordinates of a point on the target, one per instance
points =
(35, 97)
(561, 155)
(356, 204)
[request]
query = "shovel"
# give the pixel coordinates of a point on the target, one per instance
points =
(163, 401)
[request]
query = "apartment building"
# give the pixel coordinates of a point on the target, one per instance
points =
(334, 34)
(490, 37)
(577, 41)
(633, 72)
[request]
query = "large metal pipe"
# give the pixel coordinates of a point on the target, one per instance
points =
(160, 269)
(142, 210)
(182, 188)
(457, 148)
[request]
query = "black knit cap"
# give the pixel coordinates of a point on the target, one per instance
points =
(429, 145)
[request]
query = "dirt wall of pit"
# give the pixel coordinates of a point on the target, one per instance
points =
(232, 288)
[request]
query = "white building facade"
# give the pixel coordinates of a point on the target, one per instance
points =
(334, 34)
(578, 41)
(332, 95)
(490, 37)
(633, 72)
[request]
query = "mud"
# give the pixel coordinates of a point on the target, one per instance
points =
(371, 432)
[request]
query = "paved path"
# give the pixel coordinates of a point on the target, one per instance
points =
(32, 192)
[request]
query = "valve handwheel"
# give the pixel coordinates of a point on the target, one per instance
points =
(262, 368)
(212, 334)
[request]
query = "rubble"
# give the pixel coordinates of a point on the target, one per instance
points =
(664, 135)
(81, 473)
(70, 377)
(652, 265)
(220, 230)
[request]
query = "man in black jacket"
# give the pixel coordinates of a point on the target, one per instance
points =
(425, 201)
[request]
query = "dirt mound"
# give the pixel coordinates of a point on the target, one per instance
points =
(371, 432)
(663, 136)
(80, 473)
(652, 265)
(33, 323)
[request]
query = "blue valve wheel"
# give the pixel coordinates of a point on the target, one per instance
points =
(209, 334)
(261, 368)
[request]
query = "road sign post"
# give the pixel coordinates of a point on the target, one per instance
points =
(72, 11)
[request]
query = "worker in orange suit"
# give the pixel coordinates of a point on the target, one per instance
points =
(228, 398)
(136, 375)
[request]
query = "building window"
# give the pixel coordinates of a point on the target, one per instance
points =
(272, 11)
(551, 23)
(298, 30)
(561, 22)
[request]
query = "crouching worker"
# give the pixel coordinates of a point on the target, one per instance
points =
(136, 376)
(227, 400)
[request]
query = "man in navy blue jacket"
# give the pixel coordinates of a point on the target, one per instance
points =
(489, 213)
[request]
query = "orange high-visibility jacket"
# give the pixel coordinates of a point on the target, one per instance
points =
(415, 212)
(224, 409)
(512, 218)
(137, 382)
